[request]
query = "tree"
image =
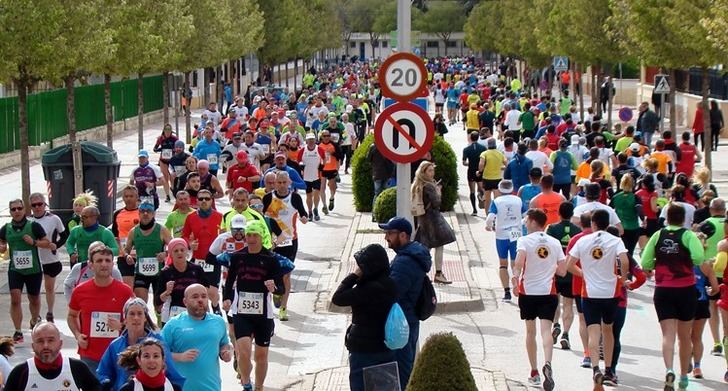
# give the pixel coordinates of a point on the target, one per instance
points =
(30, 32)
(442, 19)
(364, 13)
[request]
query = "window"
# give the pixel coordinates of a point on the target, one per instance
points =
(375, 44)
(433, 44)
(452, 44)
(352, 44)
(385, 44)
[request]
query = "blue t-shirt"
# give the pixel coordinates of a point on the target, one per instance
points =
(562, 168)
(183, 333)
(528, 192)
(208, 151)
(700, 284)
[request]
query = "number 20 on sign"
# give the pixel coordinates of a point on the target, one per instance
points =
(403, 77)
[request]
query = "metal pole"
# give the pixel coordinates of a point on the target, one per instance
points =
(404, 12)
(662, 111)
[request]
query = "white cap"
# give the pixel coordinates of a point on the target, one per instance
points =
(634, 147)
(238, 222)
(583, 182)
(575, 139)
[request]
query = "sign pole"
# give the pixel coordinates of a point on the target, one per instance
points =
(404, 209)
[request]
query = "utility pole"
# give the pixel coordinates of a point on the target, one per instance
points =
(404, 26)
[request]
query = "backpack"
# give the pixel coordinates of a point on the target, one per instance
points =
(427, 301)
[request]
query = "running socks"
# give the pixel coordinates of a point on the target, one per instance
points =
(534, 372)
(472, 201)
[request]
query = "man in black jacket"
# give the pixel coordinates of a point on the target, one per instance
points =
(647, 123)
(371, 293)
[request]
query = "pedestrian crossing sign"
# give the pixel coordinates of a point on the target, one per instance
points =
(662, 85)
(561, 64)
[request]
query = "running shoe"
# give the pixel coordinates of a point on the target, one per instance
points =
(534, 380)
(610, 379)
(548, 377)
(338, 178)
(49, 317)
(167, 200)
(669, 381)
(34, 322)
(282, 314)
(717, 349)
(564, 341)
(316, 216)
(586, 362)
(324, 209)
(441, 279)
(697, 373)
(598, 381)
(683, 383)
(331, 203)
(277, 301)
(247, 387)
(18, 337)
(556, 332)
(507, 296)
(475, 213)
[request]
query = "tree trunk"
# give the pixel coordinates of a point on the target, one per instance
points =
(206, 86)
(109, 111)
(165, 100)
(75, 144)
(673, 110)
(708, 144)
(286, 74)
(188, 120)
(295, 74)
(220, 91)
(610, 96)
(22, 84)
(175, 104)
(581, 96)
(572, 82)
(140, 110)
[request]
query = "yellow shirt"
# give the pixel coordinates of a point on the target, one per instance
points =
(494, 163)
(472, 121)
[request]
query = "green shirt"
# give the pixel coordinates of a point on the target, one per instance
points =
(623, 143)
(625, 205)
(527, 121)
(23, 256)
(717, 228)
(689, 240)
(148, 246)
(79, 239)
(176, 221)
(563, 231)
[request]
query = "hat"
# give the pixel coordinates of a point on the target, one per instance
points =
(280, 154)
(505, 186)
(634, 147)
(310, 136)
(583, 182)
(146, 205)
(238, 222)
(575, 139)
(256, 227)
(397, 224)
(179, 144)
(175, 243)
(143, 153)
(242, 156)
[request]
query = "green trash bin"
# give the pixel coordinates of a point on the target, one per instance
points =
(100, 171)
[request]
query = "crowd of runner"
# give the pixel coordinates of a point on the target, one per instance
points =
(582, 214)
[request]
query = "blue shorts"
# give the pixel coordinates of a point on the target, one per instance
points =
(505, 246)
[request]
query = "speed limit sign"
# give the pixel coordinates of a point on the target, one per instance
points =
(403, 77)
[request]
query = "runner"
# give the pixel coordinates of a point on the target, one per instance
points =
(720, 312)
(241, 175)
(330, 169)
(311, 158)
(254, 275)
(471, 160)
(280, 165)
(22, 238)
(254, 150)
(538, 260)
(82, 272)
(671, 253)
(563, 231)
(491, 165)
(54, 229)
(81, 201)
(209, 150)
(209, 181)
(200, 230)
(48, 369)
(505, 218)
(286, 208)
(89, 231)
(149, 239)
(527, 192)
(198, 340)
(149, 358)
(95, 308)
(600, 289)
(123, 221)
(165, 145)
(592, 193)
(548, 200)
(176, 219)
(175, 278)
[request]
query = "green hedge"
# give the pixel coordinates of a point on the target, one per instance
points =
(442, 365)
(446, 170)
(385, 207)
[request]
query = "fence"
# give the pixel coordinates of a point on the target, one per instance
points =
(47, 110)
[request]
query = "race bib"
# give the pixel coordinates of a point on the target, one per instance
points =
(176, 310)
(335, 137)
(206, 267)
(265, 148)
(212, 158)
(514, 233)
(287, 242)
(100, 324)
(148, 266)
(179, 170)
(23, 260)
(250, 303)
(166, 154)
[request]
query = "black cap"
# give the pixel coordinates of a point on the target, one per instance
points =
(397, 224)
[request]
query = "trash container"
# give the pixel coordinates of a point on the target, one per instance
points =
(100, 171)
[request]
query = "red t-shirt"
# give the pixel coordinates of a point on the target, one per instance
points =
(686, 164)
(645, 198)
(96, 304)
(238, 171)
(577, 282)
(205, 231)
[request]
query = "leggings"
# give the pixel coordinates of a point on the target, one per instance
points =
(619, 318)
(715, 134)
(631, 238)
(699, 137)
(346, 155)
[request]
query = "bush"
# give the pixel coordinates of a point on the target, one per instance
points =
(385, 207)
(442, 365)
(446, 170)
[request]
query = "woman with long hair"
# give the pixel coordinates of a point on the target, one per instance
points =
(149, 359)
(165, 146)
(647, 195)
(7, 349)
(629, 209)
(431, 228)
(137, 326)
(716, 123)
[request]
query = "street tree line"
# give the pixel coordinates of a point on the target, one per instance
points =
(671, 34)
(61, 41)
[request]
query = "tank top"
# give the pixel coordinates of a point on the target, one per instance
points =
(311, 159)
(23, 256)
(63, 382)
(139, 387)
(147, 247)
(673, 265)
(283, 212)
(645, 197)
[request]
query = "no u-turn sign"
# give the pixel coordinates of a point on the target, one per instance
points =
(404, 132)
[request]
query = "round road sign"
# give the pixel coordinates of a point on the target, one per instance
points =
(404, 132)
(625, 114)
(403, 77)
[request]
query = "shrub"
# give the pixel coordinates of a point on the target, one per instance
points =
(446, 170)
(442, 365)
(385, 207)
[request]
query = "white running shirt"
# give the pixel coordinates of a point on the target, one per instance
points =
(506, 213)
(595, 205)
(543, 253)
(598, 253)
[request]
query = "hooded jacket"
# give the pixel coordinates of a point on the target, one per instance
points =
(408, 271)
(370, 296)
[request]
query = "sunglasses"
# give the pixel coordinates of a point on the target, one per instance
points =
(16, 209)
(38, 204)
(203, 198)
(260, 206)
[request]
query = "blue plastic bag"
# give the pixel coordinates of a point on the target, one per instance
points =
(286, 265)
(396, 330)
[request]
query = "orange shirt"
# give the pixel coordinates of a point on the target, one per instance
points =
(550, 204)
(329, 158)
(662, 160)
